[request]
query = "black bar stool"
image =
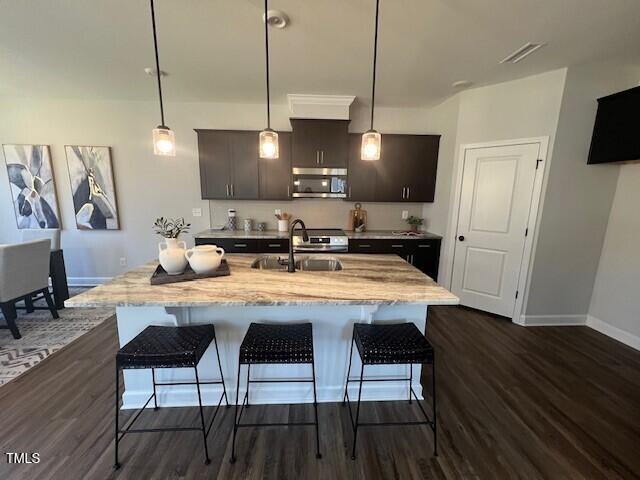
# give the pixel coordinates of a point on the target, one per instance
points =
(387, 344)
(168, 347)
(275, 344)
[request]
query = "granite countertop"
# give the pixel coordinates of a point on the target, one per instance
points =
(364, 280)
(272, 234)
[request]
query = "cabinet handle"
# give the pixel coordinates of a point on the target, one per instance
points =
(274, 245)
(322, 157)
(232, 193)
(240, 245)
(227, 187)
(288, 191)
(424, 246)
(364, 245)
(404, 189)
(397, 246)
(408, 192)
(349, 192)
(317, 157)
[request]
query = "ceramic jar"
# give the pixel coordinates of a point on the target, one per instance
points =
(204, 258)
(171, 255)
(283, 225)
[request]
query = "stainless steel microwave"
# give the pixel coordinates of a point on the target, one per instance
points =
(319, 182)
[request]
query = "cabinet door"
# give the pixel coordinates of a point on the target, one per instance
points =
(215, 173)
(421, 155)
(275, 175)
(425, 256)
(244, 165)
(392, 173)
(320, 143)
(361, 184)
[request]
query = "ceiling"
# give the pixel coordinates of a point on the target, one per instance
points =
(213, 49)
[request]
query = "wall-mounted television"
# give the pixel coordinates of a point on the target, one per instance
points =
(616, 134)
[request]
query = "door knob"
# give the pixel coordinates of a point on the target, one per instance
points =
(461, 238)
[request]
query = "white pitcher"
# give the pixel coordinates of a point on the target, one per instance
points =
(171, 255)
(204, 258)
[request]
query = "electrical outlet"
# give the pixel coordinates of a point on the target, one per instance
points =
(123, 261)
(196, 212)
(405, 214)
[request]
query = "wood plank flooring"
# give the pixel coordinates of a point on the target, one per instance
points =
(547, 402)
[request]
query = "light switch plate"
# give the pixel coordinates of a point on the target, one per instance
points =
(196, 212)
(405, 214)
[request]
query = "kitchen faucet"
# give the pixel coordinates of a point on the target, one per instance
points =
(291, 267)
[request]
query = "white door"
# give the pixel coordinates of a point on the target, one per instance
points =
(495, 201)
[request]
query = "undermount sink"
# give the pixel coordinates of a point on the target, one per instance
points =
(305, 264)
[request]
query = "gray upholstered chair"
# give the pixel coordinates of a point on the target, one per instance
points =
(24, 273)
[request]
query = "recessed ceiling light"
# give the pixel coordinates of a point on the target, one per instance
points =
(152, 72)
(462, 84)
(522, 52)
(276, 19)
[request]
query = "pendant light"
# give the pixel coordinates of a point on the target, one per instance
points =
(164, 140)
(371, 140)
(268, 139)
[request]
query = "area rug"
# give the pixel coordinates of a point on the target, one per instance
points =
(42, 336)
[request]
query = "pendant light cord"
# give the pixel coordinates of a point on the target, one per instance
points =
(155, 46)
(375, 60)
(266, 46)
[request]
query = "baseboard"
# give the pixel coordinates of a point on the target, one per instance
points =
(552, 320)
(609, 330)
(86, 281)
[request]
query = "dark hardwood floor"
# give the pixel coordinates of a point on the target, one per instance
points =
(547, 402)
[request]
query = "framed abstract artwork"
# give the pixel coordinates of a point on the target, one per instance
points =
(92, 187)
(32, 185)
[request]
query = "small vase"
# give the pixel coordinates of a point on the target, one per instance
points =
(283, 225)
(171, 255)
(413, 228)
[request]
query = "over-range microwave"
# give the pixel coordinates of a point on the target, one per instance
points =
(319, 182)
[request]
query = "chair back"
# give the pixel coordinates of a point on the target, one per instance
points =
(24, 268)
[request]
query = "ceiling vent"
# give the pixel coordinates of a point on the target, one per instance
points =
(523, 52)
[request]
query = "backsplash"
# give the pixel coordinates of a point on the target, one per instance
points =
(316, 213)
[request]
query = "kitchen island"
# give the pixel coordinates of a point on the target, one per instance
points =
(380, 288)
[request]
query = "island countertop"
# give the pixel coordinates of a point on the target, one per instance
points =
(363, 280)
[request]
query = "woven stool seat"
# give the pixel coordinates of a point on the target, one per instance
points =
(393, 343)
(166, 347)
(279, 343)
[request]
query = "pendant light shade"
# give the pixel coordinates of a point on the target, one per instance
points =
(269, 144)
(164, 140)
(268, 139)
(371, 139)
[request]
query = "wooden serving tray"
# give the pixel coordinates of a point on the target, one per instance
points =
(161, 277)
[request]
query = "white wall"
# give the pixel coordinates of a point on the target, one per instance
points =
(616, 293)
(577, 201)
(149, 186)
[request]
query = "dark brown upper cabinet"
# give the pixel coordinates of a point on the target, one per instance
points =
(320, 143)
(230, 167)
(275, 174)
(406, 171)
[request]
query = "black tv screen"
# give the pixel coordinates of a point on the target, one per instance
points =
(616, 134)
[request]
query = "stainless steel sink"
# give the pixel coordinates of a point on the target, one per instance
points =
(270, 262)
(304, 264)
(312, 264)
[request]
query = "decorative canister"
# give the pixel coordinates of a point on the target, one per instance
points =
(171, 255)
(248, 224)
(283, 225)
(232, 220)
(262, 226)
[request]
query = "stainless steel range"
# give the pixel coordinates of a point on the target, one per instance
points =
(321, 240)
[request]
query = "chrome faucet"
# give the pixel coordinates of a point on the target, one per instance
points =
(291, 267)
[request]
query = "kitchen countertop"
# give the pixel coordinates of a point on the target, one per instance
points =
(364, 280)
(271, 234)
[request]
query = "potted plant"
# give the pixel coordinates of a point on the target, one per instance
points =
(414, 223)
(171, 252)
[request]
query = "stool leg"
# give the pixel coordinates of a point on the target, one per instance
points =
(315, 407)
(204, 430)
(355, 430)
(235, 419)
(155, 397)
(116, 464)
(435, 421)
(410, 380)
(28, 303)
(248, 374)
(224, 388)
(346, 384)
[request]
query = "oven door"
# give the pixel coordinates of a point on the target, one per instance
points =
(319, 183)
